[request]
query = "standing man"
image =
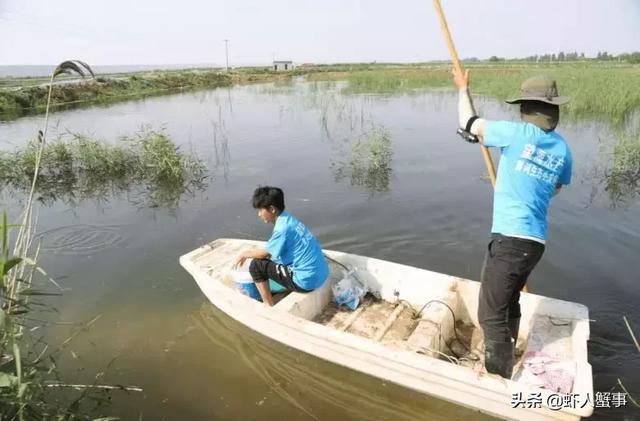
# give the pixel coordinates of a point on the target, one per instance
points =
(535, 162)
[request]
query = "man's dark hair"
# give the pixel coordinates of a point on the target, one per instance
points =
(266, 196)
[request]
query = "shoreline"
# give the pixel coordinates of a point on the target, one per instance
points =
(596, 87)
(26, 96)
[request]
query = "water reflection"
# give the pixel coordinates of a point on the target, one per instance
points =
(221, 150)
(230, 101)
(361, 150)
(319, 389)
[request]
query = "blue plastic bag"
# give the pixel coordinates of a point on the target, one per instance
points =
(349, 290)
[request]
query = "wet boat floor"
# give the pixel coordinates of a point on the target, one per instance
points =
(395, 325)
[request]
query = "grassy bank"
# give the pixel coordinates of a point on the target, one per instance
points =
(16, 103)
(27, 96)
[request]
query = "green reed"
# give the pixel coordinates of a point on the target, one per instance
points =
(622, 178)
(368, 164)
(599, 92)
(28, 369)
(77, 167)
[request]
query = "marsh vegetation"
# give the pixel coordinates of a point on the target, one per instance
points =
(368, 162)
(147, 166)
(622, 175)
(30, 380)
(600, 92)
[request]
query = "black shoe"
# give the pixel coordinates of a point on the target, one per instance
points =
(498, 358)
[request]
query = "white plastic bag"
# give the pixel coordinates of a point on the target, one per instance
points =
(349, 290)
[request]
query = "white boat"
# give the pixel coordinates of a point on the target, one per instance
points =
(415, 328)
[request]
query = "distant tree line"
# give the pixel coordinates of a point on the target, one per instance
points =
(633, 57)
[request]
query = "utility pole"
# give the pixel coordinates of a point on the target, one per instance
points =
(226, 50)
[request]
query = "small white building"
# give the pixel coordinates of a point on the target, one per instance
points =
(282, 65)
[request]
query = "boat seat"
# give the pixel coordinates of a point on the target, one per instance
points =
(305, 305)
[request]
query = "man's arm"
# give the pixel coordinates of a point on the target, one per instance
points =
(466, 111)
(254, 253)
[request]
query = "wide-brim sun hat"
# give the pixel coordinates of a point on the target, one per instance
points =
(540, 88)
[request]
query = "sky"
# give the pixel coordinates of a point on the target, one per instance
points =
(320, 31)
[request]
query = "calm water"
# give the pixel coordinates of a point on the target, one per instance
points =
(120, 261)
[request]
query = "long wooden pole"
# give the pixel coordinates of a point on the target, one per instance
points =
(456, 63)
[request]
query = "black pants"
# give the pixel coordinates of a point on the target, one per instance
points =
(262, 270)
(507, 265)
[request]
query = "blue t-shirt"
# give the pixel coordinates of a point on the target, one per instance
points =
(292, 244)
(532, 163)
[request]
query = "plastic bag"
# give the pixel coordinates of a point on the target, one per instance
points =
(349, 290)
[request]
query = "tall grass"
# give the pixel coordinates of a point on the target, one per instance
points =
(622, 178)
(27, 364)
(16, 280)
(368, 164)
(77, 167)
(598, 92)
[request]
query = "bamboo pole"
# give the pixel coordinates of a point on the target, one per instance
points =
(491, 170)
(456, 64)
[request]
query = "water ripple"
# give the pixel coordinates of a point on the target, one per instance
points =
(81, 239)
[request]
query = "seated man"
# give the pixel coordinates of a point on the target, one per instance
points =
(292, 257)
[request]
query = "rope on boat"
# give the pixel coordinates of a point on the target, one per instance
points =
(336, 262)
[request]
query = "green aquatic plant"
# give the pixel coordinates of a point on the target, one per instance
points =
(368, 164)
(78, 167)
(622, 180)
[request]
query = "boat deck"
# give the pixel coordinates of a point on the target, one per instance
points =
(399, 326)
